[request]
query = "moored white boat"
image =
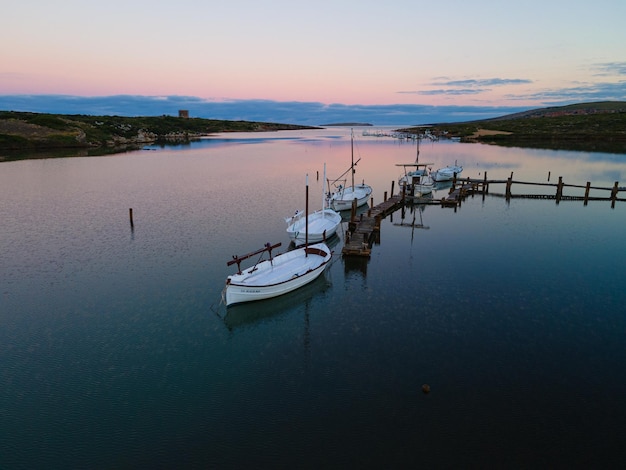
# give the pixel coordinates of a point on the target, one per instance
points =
(321, 224)
(277, 275)
(447, 173)
(416, 179)
(341, 199)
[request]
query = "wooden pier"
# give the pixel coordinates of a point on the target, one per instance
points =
(364, 229)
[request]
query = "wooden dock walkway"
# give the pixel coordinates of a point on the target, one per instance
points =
(364, 229)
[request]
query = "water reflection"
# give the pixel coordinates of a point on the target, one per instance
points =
(246, 314)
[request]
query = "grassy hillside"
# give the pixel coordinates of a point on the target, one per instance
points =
(586, 126)
(33, 131)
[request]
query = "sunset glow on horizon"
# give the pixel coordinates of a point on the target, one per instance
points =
(484, 53)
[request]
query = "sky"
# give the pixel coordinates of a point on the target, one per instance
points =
(314, 61)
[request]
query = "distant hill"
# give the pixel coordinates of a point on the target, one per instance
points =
(35, 131)
(597, 126)
(348, 124)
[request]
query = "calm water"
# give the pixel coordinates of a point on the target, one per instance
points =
(116, 353)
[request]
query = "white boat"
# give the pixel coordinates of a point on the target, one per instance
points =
(416, 179)
(277, 275)
(342, 197)
(321, 224)
(447, 173)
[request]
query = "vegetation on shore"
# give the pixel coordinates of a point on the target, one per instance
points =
(587, 126)
(35, 131)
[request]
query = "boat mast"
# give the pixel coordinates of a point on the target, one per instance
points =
(352, 153)
(417, 157)
(306, 220)
(324, 194)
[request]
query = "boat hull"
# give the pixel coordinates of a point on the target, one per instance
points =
(322, 225)
(284, 273)
(342, 200)
(446, 174)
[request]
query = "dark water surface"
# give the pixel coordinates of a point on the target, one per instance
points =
(116, 353)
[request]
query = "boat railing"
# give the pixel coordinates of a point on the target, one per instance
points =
(238, 259)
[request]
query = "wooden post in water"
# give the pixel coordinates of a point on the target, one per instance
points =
(130, 213)
(614, 192)
(393, 182)
(507, 192)
(549, 176)
(587, 192)
(372, 202)
(385, 197)
(559, 190)
(485, 184)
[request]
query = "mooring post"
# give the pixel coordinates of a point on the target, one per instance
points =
(614, 192)
(353, 211)
(485, 183)
(587, 192)
(371, 202)
(385, 198)
(130, 213)
(393, 182)
(559, 190)
(507, 193)
(549, 175)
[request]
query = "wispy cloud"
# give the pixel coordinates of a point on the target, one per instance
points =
(610, 69)
(481, 83)
(448, 87)
(582, 92)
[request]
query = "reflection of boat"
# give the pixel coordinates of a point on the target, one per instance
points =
(321, 224)
(441, 185)
(418, 208)
(277, 275)
(447, 173)
(341, 199)
(240, 315)
(416, 179)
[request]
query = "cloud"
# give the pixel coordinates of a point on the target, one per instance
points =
(485, 82)
(610, 68)
(460, 91)
(289, 112)
(583, 92)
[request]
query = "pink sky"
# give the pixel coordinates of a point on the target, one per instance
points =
(330, 52)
